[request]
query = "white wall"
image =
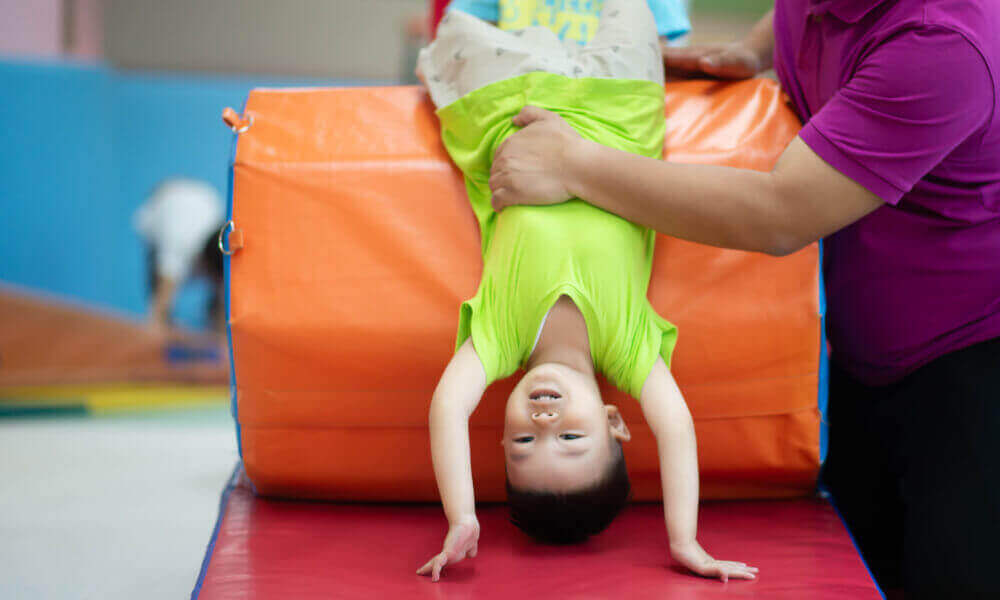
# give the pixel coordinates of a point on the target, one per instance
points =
(326, 38)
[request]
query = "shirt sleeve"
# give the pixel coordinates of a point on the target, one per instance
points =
(671, 18)
(912, 100)
(484, 9)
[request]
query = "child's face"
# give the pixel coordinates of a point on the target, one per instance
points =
(557, 433)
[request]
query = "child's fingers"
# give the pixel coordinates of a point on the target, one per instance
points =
(730, 564)
(742, 575)
(434, 567)
(474, 551)
(728, 572)
(427, 567)
(439, 564)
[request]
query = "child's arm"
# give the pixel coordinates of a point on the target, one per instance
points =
(667, 415)
(456, 397)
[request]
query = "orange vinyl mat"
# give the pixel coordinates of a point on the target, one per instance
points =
(358, 246)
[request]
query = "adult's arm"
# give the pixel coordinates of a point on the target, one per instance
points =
(739, 60)
(911, 102)
(800, 201)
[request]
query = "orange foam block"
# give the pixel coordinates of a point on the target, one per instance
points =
(359, 246)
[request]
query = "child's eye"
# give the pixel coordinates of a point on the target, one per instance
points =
(570, 436)
(524, 439)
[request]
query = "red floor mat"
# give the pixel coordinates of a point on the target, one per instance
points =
(267, 549)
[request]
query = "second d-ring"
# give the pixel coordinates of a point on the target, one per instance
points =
(229, 227)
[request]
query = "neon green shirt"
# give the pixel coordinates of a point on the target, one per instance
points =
(532, 255)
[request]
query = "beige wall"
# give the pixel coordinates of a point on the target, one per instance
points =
(326, 38)
(31, 28)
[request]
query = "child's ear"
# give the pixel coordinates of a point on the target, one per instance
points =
(619, 430)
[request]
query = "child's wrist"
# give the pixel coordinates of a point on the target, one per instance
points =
(464, 519)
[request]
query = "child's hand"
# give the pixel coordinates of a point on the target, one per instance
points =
(462, 542)
(694, 557)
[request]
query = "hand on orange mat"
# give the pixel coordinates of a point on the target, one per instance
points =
(733, 61)
(461, 542)
(694, 557)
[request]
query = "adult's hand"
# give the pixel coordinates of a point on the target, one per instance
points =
(528, 166)
(733, 61)
(741, 60)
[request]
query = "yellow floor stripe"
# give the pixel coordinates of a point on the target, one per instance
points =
(113, 398)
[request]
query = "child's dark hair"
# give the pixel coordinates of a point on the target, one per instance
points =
(571, 518)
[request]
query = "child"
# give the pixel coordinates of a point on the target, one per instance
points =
(178, 222)
(563, 292)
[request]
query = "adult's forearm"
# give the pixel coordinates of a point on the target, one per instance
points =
(761, 40)
(717, 206)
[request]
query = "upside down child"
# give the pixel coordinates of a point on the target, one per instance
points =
(562, 294)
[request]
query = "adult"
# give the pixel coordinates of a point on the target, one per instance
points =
(897, 168)
(178, 223)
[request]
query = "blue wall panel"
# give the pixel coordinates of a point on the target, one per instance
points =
(57, 181)
(81, 146)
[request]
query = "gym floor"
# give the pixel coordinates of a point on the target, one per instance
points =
(110, 508)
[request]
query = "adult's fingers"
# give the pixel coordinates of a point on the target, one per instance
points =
(499, 181)
(529, 114)
(501, 199)
(687, 59)
(726, 65)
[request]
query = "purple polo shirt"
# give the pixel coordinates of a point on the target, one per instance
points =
(901, 96)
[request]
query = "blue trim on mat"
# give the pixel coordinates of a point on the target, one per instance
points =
(225, 270)
(230, 485)
(855, 544)
(823, 398)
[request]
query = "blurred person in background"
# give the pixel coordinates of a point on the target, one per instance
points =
(178, 223)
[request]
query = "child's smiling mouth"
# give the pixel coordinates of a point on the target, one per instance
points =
(544, 394)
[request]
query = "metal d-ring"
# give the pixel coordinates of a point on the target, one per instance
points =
(229, 226)
(245, 126)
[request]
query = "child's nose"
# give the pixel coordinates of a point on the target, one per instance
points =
(544, 417)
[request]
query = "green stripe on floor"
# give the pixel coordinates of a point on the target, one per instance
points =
(107, 399)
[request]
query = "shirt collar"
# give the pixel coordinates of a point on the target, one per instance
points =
(848, 11)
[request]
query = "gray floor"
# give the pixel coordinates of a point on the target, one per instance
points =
(110, 508)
